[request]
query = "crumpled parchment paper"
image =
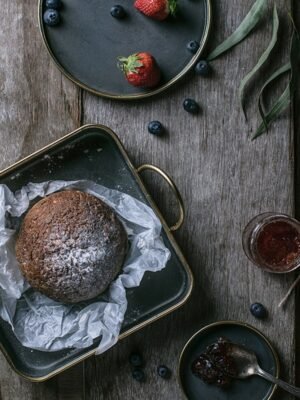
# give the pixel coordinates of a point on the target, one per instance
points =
(41, 323)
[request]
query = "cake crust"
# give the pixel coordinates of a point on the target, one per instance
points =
(71, 246)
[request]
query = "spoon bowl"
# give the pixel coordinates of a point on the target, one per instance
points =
(245, 361)
(247, 365)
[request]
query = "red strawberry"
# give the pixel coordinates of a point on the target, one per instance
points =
(140, 69)
(156, 9)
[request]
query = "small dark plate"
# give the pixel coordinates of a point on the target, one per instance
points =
(254, 388)
(88, 41)
(95, 153)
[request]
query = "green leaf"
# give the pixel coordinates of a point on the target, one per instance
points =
(285, 99)
(130, 64)
(173, 5)
(256, 13)
(280, 105)
(285, 68)
(262, 59)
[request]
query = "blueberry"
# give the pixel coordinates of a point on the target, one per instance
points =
(163, 372)
(202, 68)
(193, 46)
(258, 310)
(117, 12)
(136, 360)
(155, 127)
(191, 106)
(138, 374)
(53, 4)
(51, 17)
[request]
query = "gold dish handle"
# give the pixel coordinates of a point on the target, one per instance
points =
(171, 183)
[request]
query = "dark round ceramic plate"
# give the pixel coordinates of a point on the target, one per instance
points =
(254, 388)
(88, 41)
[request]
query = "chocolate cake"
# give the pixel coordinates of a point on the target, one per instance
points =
(71, 246)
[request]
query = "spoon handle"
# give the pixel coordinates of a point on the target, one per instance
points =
(286, 386)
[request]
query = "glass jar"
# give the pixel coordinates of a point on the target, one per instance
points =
(272, 242)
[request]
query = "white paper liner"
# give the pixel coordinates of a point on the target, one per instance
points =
(43, 324)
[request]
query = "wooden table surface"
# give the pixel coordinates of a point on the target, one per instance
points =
(225, 179)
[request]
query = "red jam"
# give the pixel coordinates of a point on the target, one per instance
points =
(216, 366)
(278, 245)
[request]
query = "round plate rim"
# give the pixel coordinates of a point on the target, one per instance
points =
(134, 96)
(238, 323)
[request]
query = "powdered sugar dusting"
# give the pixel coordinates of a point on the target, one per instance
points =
(71, 246)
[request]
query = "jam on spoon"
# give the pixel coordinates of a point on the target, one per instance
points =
(216, 366)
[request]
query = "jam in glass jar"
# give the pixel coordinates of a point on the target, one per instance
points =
(272, 242)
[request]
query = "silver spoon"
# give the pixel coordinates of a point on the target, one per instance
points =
(247, 365)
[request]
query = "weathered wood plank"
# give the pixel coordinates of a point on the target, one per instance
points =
(225, 180)
(296, 117)
(38, 106)
(71, 384)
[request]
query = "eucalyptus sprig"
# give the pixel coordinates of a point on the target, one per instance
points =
(254, 16)
(286, 97)
(264, 57)
(280, 71)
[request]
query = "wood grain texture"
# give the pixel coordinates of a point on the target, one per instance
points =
(37, 106)
(296, 118)
(225, 180)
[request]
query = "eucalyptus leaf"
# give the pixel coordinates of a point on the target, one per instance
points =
(285, 99)
(264, 57)
(256, 13)
(285, 68)
(280, 105)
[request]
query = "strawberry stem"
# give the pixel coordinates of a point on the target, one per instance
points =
(130, 64)
(172, 7)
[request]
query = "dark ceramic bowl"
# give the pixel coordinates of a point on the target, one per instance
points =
(253, 388)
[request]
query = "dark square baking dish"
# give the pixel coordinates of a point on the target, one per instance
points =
(95, 153)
